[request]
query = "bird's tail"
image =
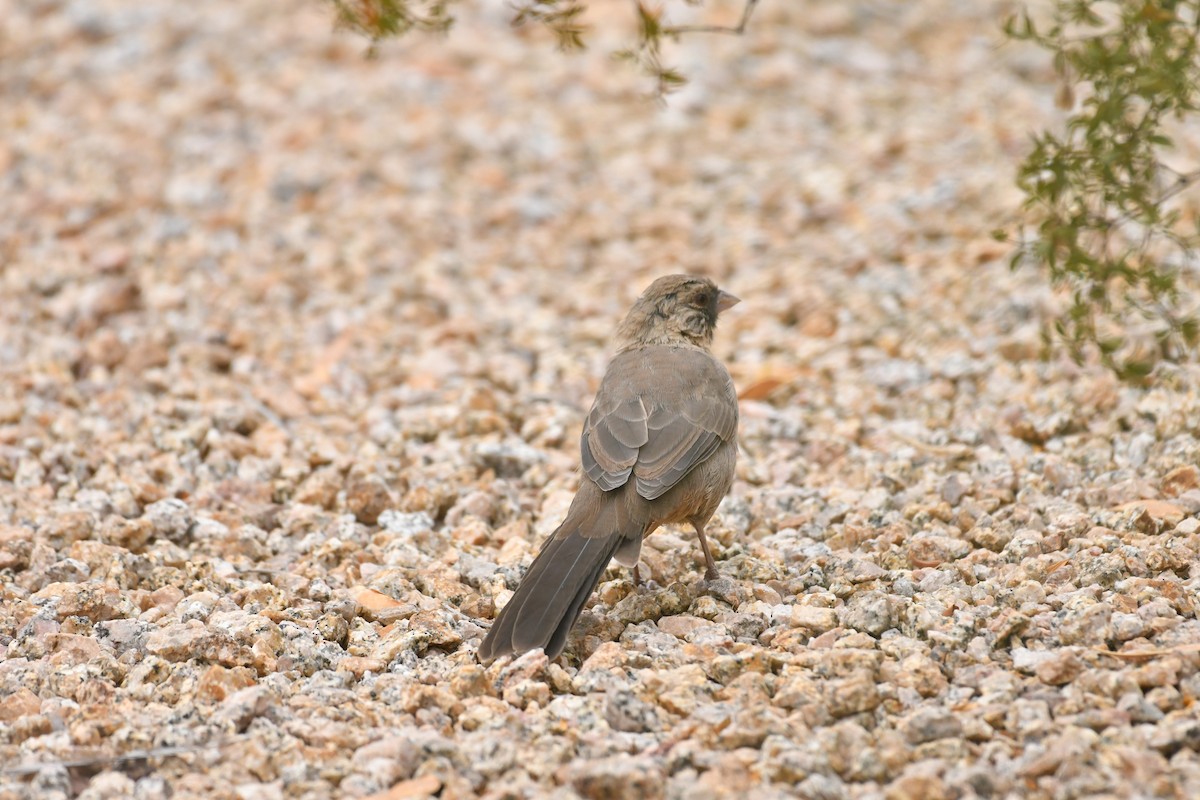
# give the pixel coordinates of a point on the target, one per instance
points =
(565, 572)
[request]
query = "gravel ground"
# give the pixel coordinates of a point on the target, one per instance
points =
(294, 351)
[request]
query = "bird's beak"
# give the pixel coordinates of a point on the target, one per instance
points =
(726, 301)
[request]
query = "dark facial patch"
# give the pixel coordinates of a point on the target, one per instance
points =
(705, 300)
(714, 297)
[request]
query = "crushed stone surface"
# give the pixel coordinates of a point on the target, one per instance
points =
(295, 346)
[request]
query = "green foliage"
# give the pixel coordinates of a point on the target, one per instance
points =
(647, 54)
(1107, 225)
(559, 16)
(383, 19)
(386, 19)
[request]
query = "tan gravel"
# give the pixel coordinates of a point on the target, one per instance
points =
(295, 347)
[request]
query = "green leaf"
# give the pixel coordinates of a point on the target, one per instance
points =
(1101, 206)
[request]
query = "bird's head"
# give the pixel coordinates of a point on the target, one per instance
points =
(674, 310)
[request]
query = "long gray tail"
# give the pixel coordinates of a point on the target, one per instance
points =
(562, 577)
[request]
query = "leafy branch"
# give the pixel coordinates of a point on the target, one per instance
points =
(735, 30)
(1103, 205)
(386, 19)
(560, 16)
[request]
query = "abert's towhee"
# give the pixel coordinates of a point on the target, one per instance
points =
(658, 447)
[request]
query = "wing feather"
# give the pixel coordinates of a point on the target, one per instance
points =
(659, 412)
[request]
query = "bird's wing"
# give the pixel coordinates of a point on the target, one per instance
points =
(615, 430)
(659, 412)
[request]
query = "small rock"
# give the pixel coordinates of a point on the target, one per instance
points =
(178, 642)
(406, 525)
(16, 546)
(509, 459)
(728, 590)
(367, 498)
(625, 711)
(1180, 480)
(242, 707)
(109, 785)
(320, 488)
(69, 650)
(821, 787)
(1188, 526)
(994, 538)
(1028, 718)
(374, 602)
(1140, 710)
(333, 628)
(97, 602)
(437, 628)
(424, 786)
(954, 488)
(1151, 516)
(1086, 626)
(524, 692)
(67, 527)
(682, 625)
(862, 571)
(814, 618)
(1160, 672)
(21, 703)
(852, 695)
(172, 519)
(819, 323)
(218, 682)
(930, 551)
(1029, 661)
(1061, 668)
(922, 674)
(929, 724)
(1173, 735)
(396, 757)
(130, 534)
(919, 786)
(358, 666)
(617, 778)
(124, 635)
(869, 612)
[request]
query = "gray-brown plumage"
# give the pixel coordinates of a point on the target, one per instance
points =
(658, 447)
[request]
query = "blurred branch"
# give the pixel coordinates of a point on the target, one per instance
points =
(647, 55)
(560, 16)
(1102, 215)
(385, 19)
(118, 758)
(737, 30)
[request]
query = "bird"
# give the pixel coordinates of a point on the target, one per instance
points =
(658, 447)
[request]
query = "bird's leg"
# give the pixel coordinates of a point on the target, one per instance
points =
(710, 566)
(637, 579)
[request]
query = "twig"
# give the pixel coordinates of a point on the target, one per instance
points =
(133, 755)
(946, 451)
(738, 30)
(265, 410)
(1166, 651)
(1183, 181)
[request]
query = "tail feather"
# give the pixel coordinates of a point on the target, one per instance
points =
(558, 640)
(557, 593)
(562, 577)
